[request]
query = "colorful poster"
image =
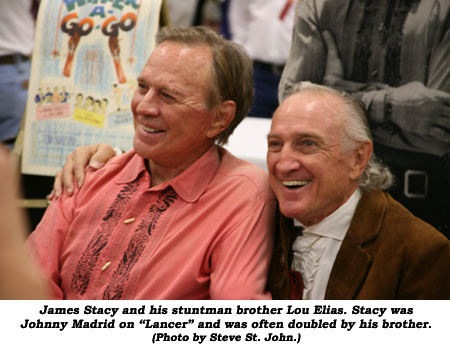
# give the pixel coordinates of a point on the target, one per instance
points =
(87, 56)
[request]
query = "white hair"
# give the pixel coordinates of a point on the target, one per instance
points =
(376, 175)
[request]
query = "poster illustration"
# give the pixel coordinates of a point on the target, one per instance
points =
(87, 57)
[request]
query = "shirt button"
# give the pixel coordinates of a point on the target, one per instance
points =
(129, 220)
(106, 265)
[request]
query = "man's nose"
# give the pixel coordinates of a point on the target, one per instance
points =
(288, 161)
(148, 105)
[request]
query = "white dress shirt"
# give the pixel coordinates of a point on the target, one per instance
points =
(16, 27)
(257, 26)
(315, 251)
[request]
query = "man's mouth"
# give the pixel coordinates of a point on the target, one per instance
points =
(292, 184)
(151, 130)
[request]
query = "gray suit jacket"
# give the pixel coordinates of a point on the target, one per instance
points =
(387, 253)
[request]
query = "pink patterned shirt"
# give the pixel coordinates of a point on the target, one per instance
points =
(206, 234)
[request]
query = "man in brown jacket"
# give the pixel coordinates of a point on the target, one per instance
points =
(357, 242)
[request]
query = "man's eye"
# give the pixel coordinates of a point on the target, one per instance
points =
(308, 143)
(273, 143)
(167, 96)
(142, 87)
(308, 146)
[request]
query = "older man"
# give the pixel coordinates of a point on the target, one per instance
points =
(393, 55)
(177, 217)
(357, 242)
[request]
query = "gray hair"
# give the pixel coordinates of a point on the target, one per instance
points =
(376, 174)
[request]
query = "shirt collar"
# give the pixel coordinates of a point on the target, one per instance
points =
(335, 226)
(132, 168)
(190, 184)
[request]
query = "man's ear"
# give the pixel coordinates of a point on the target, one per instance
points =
(223, 116)
(361, 156)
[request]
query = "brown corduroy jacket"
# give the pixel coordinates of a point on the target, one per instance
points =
(387, 253)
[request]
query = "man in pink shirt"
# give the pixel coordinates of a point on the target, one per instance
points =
(177, 217)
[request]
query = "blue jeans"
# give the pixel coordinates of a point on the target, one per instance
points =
(13, 97)
(266, 93)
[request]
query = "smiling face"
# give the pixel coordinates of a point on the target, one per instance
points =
(173, 125)
(309, 173)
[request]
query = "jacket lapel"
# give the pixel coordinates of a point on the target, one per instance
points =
(353, 261)
(278, 281)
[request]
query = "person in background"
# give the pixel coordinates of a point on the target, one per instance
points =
(181, 13)
(177, 217)
(264, 29)
(16, 45)
(393, 55)
(341, 236)
(19, 277)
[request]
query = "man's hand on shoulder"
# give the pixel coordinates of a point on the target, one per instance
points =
(74, 169)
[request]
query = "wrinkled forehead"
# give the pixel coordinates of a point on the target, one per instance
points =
(182, 68)
(189, 54)
(179, 63)
(310, 103)
(309, 113)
